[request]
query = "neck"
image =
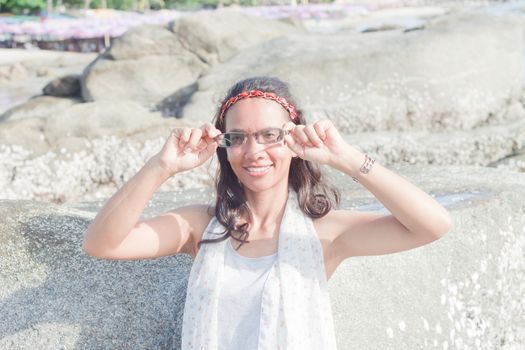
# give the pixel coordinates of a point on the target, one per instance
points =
(267, 210)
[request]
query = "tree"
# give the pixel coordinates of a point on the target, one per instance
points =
(22, 6)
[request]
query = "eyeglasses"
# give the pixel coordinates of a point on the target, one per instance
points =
(238, 138)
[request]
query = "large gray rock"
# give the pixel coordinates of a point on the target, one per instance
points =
(481, 146)
(38, 107)
(444, 295)
(102, 166)
(145, 40)
(216, 36)
(62, 296)
(23, 73)
(462, 291)
(70, 128)
(26, 134)
(150, 63)
(146, 80)
(99, 169)
(434, 79)
(65, 86)
(403, 18)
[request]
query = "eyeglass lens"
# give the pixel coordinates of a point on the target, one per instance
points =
(237, 138)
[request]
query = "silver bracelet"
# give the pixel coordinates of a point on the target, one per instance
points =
(367, 165)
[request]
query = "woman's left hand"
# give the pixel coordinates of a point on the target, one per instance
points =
(319, 142)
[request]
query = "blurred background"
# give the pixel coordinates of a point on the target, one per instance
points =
(90, 89)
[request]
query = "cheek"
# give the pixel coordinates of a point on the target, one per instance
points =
(232, 154)
(283, 152)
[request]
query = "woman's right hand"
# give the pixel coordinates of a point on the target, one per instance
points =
(187, 148)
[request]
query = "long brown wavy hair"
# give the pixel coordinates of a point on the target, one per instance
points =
(315, 196)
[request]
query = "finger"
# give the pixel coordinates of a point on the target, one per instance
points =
(184, 137)
(195, 138)
(173, 136)
(208, 151)
(300, 135)
(293, 145)
(202, 144)
(310, 131)
(210, 131)
(319, 127)
(288, 126)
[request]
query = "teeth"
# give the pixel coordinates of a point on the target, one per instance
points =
(258, 169)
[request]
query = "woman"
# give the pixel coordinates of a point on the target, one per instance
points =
(264, 252)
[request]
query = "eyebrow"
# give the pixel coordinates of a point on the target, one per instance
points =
(270, 127)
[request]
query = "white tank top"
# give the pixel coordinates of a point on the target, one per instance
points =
(239, 306)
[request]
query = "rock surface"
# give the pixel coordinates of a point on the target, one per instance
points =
(38, 107)
(97, 119)
(154, 77)
(23, 73)
(67, 86)
(462, 291)
(443, 294)
(217, 36)
(424, 80)
(162, 60)
(407, 97)
(47, 124)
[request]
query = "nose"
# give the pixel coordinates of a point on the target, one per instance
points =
(253, 149)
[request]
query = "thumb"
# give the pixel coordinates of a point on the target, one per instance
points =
(208, 151)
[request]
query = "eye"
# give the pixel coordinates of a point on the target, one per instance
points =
(271, 134)
(236, 138)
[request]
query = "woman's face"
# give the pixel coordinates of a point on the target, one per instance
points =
(258, 166)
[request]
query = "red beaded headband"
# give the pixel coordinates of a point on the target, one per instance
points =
(257, 93)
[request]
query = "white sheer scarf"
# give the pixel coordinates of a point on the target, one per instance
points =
(295, 310)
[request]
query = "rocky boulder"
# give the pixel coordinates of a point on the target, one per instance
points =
(460, 291)
(216, 36)
(149, 63)
(146, 80)
(143, 41)
(72, 127)
(38, 107)
(26, 134)
(434, 79)
(66, 86)
(23, 73)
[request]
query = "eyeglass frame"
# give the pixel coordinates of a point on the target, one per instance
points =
(283, 133)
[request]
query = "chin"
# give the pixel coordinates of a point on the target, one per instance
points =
(259, 185)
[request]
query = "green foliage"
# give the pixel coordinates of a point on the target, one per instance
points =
(22, 6)
(35, 6)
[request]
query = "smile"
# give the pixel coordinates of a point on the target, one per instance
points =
(258, 171)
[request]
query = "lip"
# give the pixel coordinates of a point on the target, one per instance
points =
(258, 173)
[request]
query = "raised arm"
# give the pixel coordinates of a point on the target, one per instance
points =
(416, 217)
(116, 233)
